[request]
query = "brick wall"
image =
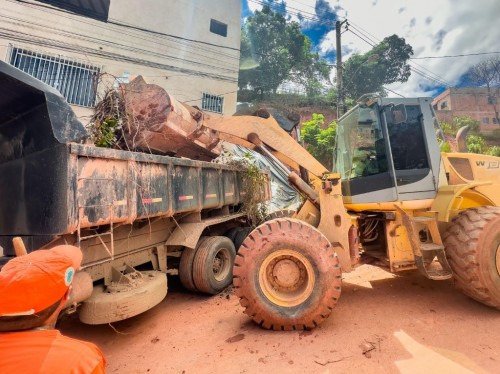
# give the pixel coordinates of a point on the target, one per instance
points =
(470, 102)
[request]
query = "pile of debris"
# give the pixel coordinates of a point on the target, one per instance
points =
(144, 117)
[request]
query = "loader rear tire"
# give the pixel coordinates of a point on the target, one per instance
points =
(472, 244)
(287, 275)
(213, 264)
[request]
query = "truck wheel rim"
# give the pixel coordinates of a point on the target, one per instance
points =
(221, 264)
(287, 278)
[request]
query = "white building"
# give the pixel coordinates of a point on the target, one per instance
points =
(82, 47)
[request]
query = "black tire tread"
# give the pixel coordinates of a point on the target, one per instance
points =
(186, 266)
(282, 213)
(200, 276)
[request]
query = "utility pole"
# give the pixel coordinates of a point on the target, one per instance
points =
(340, 88)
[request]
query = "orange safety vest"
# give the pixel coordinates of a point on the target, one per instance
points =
(48, 352)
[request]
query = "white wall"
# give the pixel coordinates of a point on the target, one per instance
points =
(184, 67)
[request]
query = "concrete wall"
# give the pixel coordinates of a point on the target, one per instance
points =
(168, 42)
(470, 102)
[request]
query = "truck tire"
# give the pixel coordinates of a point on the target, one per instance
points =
(186, 266)
(240, 237)
(237, 235)
(287, 275)
(472, 244)
(213, 264)
(283, 213)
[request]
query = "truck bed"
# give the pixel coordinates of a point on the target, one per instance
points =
(87, 186)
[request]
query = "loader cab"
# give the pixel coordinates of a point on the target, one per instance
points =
(386, 150)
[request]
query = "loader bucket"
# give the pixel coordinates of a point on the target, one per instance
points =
(29, 106)
(36, 125)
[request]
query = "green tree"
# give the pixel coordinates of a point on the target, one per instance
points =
(320, 141)
(386, 63)
(273, 51)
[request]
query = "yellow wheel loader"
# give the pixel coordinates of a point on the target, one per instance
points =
(392, 200)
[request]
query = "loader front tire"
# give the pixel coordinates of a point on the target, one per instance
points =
(287, 275)
(472, 245)
(283, 213)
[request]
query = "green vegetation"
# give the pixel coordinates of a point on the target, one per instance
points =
(452, 128)
(446, 147)
(273, 51)
(104, 133)
(320, 141)
(476, 142)
(106, 123)
(385, 63)
(494, 151)
(255, 181)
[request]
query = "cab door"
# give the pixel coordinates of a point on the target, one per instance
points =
(410, 142)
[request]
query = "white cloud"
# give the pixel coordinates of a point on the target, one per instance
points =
(432, 27)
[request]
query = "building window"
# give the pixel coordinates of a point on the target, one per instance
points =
(435, 106)
(444, 105)
(218, 28)
(492, 100)
(495, 121)
(76, 81)
(486, 121)
(212, 103)
(97, 9)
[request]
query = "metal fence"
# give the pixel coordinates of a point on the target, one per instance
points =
(75, 80)
(212, 103)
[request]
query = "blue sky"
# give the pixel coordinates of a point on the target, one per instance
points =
(433, 28)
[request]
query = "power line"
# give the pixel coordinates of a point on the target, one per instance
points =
(394, 92)
(133, 34)
(123, 46)
(298, 13)
(108, 55)
(363, 39)
(451, 56)
(114, 22)
(362, 32)
(437, 80)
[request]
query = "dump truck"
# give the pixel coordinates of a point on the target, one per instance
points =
(135, 216)
(393, 200)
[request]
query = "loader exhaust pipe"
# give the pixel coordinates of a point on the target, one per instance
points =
(462, 139)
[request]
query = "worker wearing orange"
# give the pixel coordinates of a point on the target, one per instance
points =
(33, 290)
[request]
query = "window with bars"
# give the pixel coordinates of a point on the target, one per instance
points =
(212, 103)
(75, 80)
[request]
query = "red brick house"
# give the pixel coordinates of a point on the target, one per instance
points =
(472, 102)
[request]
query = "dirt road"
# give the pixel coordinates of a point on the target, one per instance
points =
(382, 324)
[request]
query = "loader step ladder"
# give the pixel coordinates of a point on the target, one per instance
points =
(430, 250)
